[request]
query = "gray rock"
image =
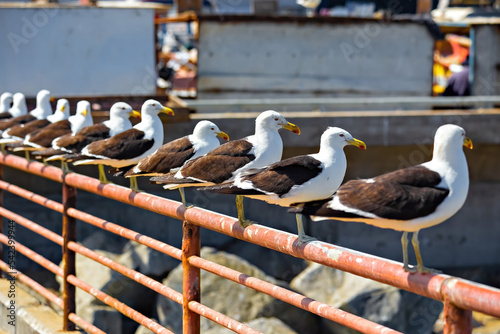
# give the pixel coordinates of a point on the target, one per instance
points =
(105, 318)
(265, 325)
(380, 303)
(112, 283)
(234, 300)
(148, 261)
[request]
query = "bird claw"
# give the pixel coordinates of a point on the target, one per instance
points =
(303, 239)
(421, 270)
(245, 222)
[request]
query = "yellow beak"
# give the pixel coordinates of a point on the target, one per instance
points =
(134, 113)
(167, 111)
(468, 143)
(84, 112)
(357, 143)
(223, 135)
(52, 99)
(291, 127)
(63, 107)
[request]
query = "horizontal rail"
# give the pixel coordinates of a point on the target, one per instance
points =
(132, 274)
(324, 310)
(295, 299)
(346, 101)
(462, 293)
(105, 298)
(37, 287)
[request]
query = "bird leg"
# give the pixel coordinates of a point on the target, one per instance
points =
(183, 197)
(27, 155)
(102, 174)
(133, 184)
(2, 147)
(420, 265)
(241, 212)
(64, 166)
(404, 243)
(303, 237)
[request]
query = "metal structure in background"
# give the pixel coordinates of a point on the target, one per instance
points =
(460, 297)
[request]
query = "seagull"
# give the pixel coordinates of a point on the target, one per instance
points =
(131, 146)
(302, 178)
(61, 113)
(175, 154)
(6, 100)
(226, 161)
(406, 200)
(75, 142)
(17, 110)
(20, 126)
(43, 138)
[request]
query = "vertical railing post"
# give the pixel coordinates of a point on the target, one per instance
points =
(1, 218)
(191, 277)
(69, 268)
(456, 320)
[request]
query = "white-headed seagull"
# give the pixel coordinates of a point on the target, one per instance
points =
(302, 178)
(130, 146)
(408, 199)
(6, 100)
(261, 149)
(173, 155)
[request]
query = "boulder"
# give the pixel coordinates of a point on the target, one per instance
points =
(380, 303)
(265, 325)
(112, 283)
(148, 261)
(234, 300)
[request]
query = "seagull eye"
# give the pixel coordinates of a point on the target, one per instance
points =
(341, 135)
(276, 119)
(213, 129)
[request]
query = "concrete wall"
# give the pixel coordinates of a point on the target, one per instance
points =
(470, 238)
(486, 46)
(77, 51)
(291, 57)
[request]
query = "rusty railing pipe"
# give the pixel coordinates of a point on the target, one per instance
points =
(68, 256)
(465, 294)
(119, 306)
(190, 277)
(49, 296)
(323, 310)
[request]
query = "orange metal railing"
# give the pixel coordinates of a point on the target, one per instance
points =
(459, 296)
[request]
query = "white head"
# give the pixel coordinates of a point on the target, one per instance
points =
(122, 110)
(273, 120)
(62, 107)
(338, 138)
(153, 108)
(83, 108)
(5, 101)
(19, 104)
(448, 140)
(205, 129)
(43, 108)
(42, 97)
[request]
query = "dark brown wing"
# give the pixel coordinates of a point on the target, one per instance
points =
(5, 115)
(171, 155)
(278, 178)
(21, 130)
(4, 125)
(89, 134)
(126, 145)
(403, 195)
(46, 135)
(219, 164)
